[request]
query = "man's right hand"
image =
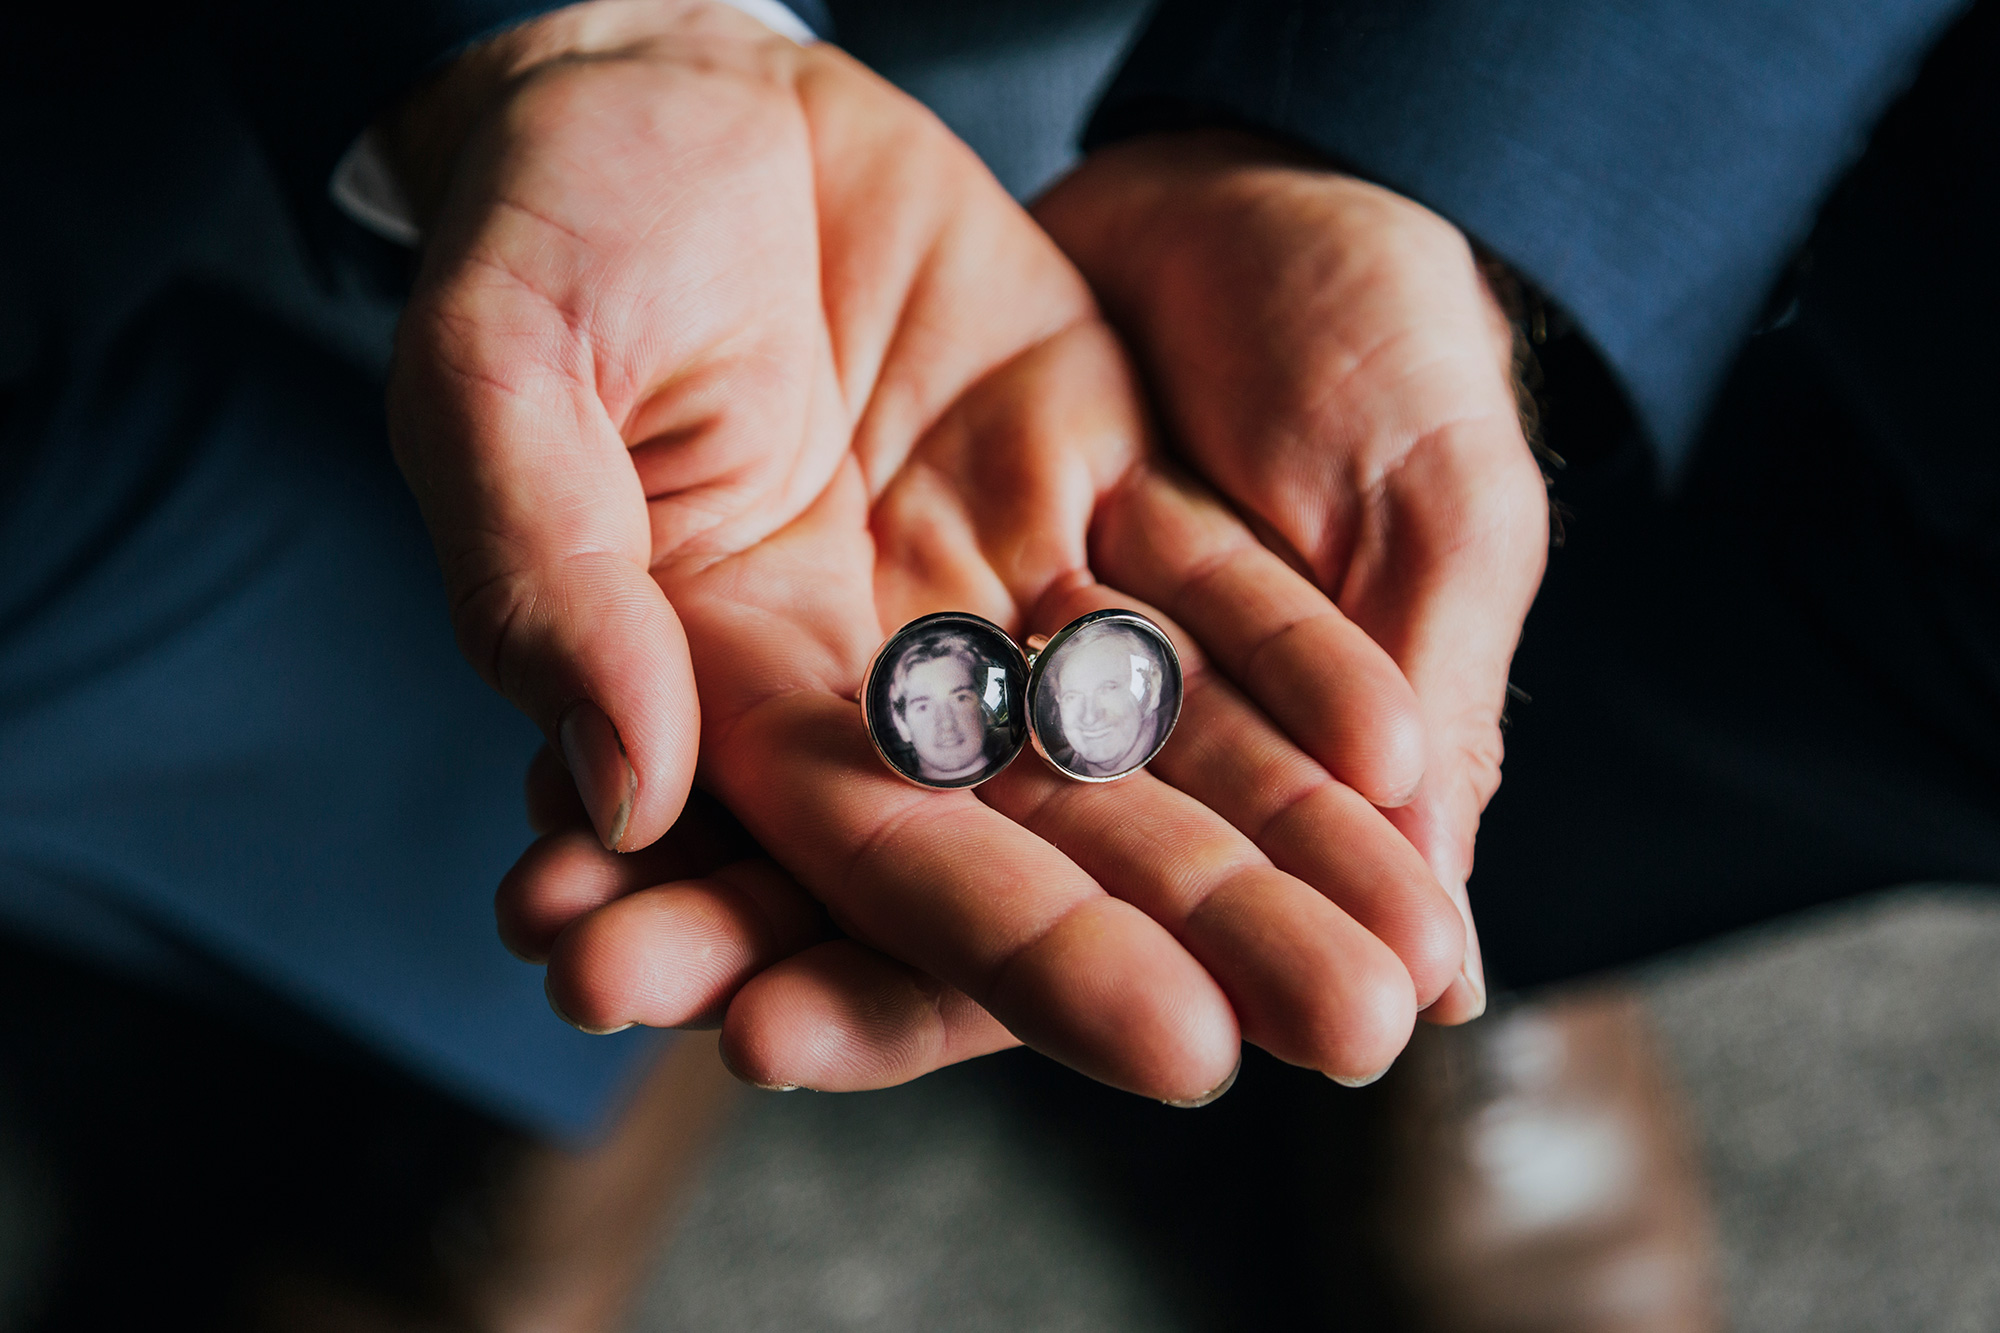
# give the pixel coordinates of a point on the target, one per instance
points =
(710, 318)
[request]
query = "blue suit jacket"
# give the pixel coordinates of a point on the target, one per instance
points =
(231, 713)
(1650, 166)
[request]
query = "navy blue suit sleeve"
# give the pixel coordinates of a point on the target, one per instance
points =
(311, 74)
(1650, 165)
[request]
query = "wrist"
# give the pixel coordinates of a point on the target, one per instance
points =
(422, 136)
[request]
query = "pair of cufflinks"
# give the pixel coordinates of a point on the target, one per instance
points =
(950, 699)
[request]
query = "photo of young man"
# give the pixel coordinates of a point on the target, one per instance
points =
(950, 719)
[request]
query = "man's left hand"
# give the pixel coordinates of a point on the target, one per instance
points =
(1327, 354)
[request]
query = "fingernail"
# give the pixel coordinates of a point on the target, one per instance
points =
(1192, 1103)
(1473, 970)
(1363, 1081)
(595, 1032)
(1475, 979)
(603, 775)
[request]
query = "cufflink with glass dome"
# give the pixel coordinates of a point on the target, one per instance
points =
(950, 699)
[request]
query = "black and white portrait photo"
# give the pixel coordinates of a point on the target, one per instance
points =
(1107, 690)
(943, 700)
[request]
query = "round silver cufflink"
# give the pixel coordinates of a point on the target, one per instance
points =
(1103, 695)
(950, 700)
(945, 700)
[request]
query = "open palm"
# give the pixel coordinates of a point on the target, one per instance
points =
(727, 360)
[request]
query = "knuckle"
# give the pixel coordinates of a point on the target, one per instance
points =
(1416, 243)
(493, 611)
(1481, 755)
(1208, 868)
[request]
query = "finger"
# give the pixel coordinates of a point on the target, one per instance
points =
(841, 1017)
(934, 879)
(1039, 461)
(1318, 675)
(1308, 983)
(971, 898)
(673, 955)
(568, 873)
(542, 533)
(1427, 823)
(1227, 755)
(1445, 590)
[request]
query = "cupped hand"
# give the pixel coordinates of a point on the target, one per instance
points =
(1131, 929)
(1329, 356)
(725, 359)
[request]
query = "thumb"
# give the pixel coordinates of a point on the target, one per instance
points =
(1445, 590)
(542, 531)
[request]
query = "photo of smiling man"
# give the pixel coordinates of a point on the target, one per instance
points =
(944, 711)
(1107, 697)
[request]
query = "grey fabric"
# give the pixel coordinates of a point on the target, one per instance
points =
(1845, 1070)
(1843, 1066)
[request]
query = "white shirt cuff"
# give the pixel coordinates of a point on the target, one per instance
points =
(366, 190)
